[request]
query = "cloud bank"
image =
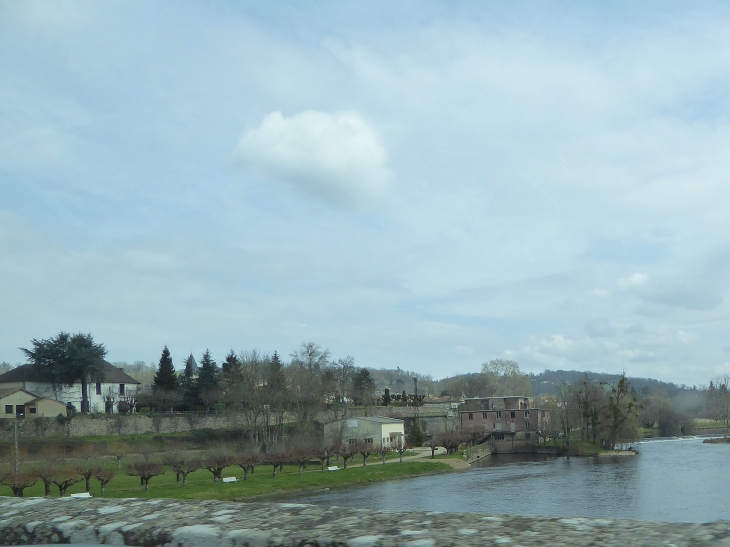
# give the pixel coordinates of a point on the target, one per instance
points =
(337, 157)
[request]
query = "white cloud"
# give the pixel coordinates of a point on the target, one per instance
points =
(338, 157)
(600, 293)
(634, 280)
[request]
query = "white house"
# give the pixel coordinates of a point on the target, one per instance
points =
(104, 392)
(368, 429)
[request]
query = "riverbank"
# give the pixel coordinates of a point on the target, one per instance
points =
(260, 484)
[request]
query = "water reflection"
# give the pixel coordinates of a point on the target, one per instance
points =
(678, 481)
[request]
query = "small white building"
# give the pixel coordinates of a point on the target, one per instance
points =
(368, 429)
(104, 392)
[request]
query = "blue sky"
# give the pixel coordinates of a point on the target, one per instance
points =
(423, 185)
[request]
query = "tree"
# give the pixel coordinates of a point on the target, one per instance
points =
(104, 476)
(621, 414)
(276, 393)
(216, 461)
(66, 478)
(363, 387)
(165, 377)
(145, 469)
(208, 382)
(305, 374)
(18, 482)
(416, 436)
(383, 450)
(119, 450)
(505, 378)
(67, 359)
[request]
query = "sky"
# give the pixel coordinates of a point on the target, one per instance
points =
(423, 185)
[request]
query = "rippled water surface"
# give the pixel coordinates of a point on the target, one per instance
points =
(670, 480)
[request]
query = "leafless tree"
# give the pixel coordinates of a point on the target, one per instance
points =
(384, 450)
(346, 451)
(216, 461)
(277, 457)
(401, 445)
(450, 440)
(182, 465)
(88, 464)
(18, 482)
(104, 476)
(364, 449)
(119, 450)
(145, 469)
(66, 477)
(433, 444)
(247, 459)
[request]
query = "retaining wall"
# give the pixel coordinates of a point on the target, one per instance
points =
(153, 523)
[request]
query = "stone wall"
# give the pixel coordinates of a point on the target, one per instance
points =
(153, 523)
(432, 421)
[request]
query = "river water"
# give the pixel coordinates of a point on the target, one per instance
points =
(677, 480)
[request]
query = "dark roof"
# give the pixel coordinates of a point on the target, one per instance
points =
(31, 373)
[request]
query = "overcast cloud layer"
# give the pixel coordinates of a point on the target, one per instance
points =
(420, 185)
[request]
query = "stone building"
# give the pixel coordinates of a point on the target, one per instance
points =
(511, 424)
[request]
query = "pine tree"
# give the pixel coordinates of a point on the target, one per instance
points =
(208, 374)
(165, 377)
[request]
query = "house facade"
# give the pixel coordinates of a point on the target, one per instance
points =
(511, 424)
(105, 392)
(368, 429)
(20, 403)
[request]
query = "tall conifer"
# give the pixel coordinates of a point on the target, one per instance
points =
(165, 377)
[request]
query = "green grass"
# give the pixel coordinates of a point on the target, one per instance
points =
(200, 484)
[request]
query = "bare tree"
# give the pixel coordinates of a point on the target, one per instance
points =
(401, 445)
(18, 482)
(104, 476)
(247, 460)
(277, 458)
(66, 477)
(119, 450)
(384, 450)
(346, 451)
(145, 469)
(364, 449)
(182, 465)
(216, 461)
(433, 443)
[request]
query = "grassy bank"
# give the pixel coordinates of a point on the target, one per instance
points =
(200, 484)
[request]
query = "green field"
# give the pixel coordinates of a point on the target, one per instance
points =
(200, 484)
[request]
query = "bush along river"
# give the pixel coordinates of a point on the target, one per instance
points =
(671, 480)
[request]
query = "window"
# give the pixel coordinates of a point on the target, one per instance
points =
(499, 415)
(527, 413)
(527, 425)
(369, 441)
(32, 410)
(20, 410)
(511, 414)
(498, 436)
(121, 389)
(351, 441)
(8, 409)
(527, 435)
(98, 388)
(471, 416)
(484, 415)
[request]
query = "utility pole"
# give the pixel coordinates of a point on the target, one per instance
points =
(15, 429)
(415, 395)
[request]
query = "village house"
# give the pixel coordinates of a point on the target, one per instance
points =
(20, 403)
(367, 429)
(104, 392)
(511, 424)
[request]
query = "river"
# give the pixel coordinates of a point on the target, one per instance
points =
(671, 480)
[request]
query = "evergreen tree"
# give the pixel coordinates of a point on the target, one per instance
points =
(165, 377)
(208, 375)
(67, 359)
(208, 382)
(363, 387)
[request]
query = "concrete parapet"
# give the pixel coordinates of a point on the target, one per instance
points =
(158, 522)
